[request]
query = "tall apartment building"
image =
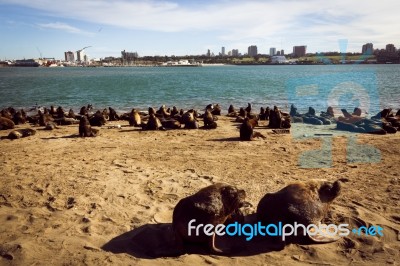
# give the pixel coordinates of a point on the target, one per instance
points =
(235, 52)
(272, 51)
(223, 51)
(299, 51)
(80, 55)
(390, 48)
(368, 48)
(282, 52)
(252, 50)
(69, 56)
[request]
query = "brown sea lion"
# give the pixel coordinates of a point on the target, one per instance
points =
(174, 111)
(85, 130)
(18, 118)
(216, 110)
(6, 123)
(113, 116)
(44, 118)
(153, 123)
(246, 130)
(21, 133)
(189, 120)
(211, 205)
(152, 111)
(84, 111)
(134, 118)
(302, 202)
(97, 119)
(275, 118)
(248, 108)
(357, 111)
(208, 120)
(231, 109)
(71, 114)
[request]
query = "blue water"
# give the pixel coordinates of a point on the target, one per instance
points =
(125, 88)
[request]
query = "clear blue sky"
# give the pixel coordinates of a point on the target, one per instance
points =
(154, 27)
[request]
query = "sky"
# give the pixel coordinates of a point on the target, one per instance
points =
(48, 28)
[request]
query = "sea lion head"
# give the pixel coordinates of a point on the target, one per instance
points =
(329, 191)
(232, 198)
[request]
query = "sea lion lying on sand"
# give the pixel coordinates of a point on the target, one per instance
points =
(208, 119)
(211, 205)
(302, 202)
(6, 123)
(21, 133)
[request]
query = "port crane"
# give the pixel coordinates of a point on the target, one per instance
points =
(83, 49)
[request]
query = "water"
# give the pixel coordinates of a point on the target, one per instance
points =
(125, 88)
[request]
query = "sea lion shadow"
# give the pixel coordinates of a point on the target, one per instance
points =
(152, 241)
(226, 139)
(63, 137)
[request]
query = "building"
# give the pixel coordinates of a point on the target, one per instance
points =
(282, 52)
(80, 55)
(390, 48)
(272, 51)
(208, 53)
(368, 49)
(69, 56)
(299, 51)
(278, 53)
(252, 50)
(235, 52)
(229, 53)
(129, 56)
(223, 51)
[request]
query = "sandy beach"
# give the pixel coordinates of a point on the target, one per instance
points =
(66, 200)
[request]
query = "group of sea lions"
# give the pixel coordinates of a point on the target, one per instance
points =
(302, 202)
(382, 123)
(172, 118)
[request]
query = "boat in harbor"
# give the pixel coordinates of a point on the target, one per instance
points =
(182, 63)
(26, 63)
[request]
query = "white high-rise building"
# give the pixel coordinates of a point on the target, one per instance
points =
(223, 51)
(80, 55)
(272, 51)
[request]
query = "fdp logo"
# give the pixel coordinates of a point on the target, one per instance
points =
(347, 88)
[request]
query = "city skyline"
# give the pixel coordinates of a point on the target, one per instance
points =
(45, 28)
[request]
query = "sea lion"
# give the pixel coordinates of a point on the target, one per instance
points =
(134, 118)
(357, 111)
(152, 111)
(216, 110)
(44, 118)
(189, 120)
(231, 109)
(50, 126)
(246, 130)
(302, 202)
(85, 129)
(18, 118)
(113, 116)
(21, 133)
(84, 111)
(71, 114)
(275, 118)
(210, 205)
(293, 111)
(311, 111)
(248, 108)
(97, 119)
(153, 124)
(174, 111)
(208, 120)
(6, 123)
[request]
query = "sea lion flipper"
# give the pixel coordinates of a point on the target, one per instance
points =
(213, 248)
